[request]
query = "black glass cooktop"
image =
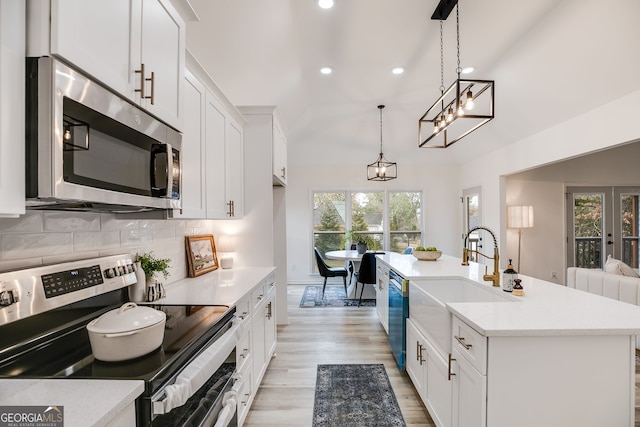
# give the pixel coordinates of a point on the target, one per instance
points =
(56, 344)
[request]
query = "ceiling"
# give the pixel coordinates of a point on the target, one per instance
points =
(551, 60)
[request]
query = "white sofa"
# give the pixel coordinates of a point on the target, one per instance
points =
(616, 286)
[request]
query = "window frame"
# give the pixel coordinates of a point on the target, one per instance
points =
(386, 232)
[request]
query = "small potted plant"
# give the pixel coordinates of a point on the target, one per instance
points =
(147, 287)
(152, 265)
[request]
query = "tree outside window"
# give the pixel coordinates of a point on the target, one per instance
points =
(383, 220)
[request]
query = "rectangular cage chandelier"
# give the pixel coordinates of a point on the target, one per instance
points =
(462, 108)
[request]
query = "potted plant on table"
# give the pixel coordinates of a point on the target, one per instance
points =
(147, 287)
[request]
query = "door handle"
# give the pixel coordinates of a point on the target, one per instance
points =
(609, 242)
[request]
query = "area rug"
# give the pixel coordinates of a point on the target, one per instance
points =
(334, 296)
(355, 396)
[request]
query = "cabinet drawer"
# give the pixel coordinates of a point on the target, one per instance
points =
(270, 284)
(471, 344)
(243, 349)
(245, 394)
(257, 296)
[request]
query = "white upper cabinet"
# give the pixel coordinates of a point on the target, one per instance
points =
(12, 77)
(234, 184)
(135, 47)
(162, 43)
(267, 125)
(212, 150)
(193, 150)
(279, 155)
(215, 124)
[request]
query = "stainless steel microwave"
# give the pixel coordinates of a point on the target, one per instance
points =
(89, 149)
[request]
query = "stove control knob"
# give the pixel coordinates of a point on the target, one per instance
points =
(109, 273)
(8, 298)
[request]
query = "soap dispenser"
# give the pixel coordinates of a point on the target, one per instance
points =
(508, 278)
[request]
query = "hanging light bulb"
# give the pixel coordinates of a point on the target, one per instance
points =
(450, 115)
(436, 128)
(460, 109)
(443, 121)
(469, 105)
(67, 134)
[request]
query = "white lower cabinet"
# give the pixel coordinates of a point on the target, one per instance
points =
(382, 294)
(258, 340)
(429, 373)
(469, 403)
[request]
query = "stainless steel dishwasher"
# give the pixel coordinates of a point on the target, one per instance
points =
(398, 313)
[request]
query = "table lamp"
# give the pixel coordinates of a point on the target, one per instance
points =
(519, 217)
(226, 246)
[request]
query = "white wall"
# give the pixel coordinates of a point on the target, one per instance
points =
(607, 126)
(544, 246)
(439, 186)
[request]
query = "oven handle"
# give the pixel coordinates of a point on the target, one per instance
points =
(196, 373)
(230, 403)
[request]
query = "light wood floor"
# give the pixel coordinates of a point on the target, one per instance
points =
(322, 336)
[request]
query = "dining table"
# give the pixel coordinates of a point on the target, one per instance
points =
(356, 258)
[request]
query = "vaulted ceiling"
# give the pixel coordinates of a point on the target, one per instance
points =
(551, 60)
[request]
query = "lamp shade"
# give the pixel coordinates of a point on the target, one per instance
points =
(519, 216)
(227, 243)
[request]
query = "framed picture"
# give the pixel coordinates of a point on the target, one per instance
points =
(201, 254)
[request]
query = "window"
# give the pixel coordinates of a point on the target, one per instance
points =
(405, 217)
(385, 220)
(329, 219)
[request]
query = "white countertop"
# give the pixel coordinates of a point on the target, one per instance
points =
(545, 309)
(220, 287)
(86, 402)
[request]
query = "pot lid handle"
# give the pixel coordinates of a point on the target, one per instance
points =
(127, 306)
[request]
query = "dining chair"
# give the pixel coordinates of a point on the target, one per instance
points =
(326, 271)
(367, 272)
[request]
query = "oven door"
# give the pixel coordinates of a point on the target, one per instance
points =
(204, 392)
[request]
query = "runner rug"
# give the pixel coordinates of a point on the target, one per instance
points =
(334, 296)
(355, 396)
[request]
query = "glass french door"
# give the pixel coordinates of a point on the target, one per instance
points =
(602, 221)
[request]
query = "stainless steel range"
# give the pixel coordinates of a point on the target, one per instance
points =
(190, 379)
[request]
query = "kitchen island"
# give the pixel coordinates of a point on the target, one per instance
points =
(483, 357)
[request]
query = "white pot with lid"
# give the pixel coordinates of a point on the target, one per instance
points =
(126, 333)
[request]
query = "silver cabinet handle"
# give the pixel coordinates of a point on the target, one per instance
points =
(420, 358)
(461, 341)
(244, 353)
(246, 399)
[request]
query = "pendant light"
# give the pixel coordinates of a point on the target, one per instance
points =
(382, 169)
(462, 108)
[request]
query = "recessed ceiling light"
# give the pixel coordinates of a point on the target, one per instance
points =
(467, 70)
(398, 70)
(325, 4)
(326, 70)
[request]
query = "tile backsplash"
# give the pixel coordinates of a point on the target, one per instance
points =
(40, 237)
